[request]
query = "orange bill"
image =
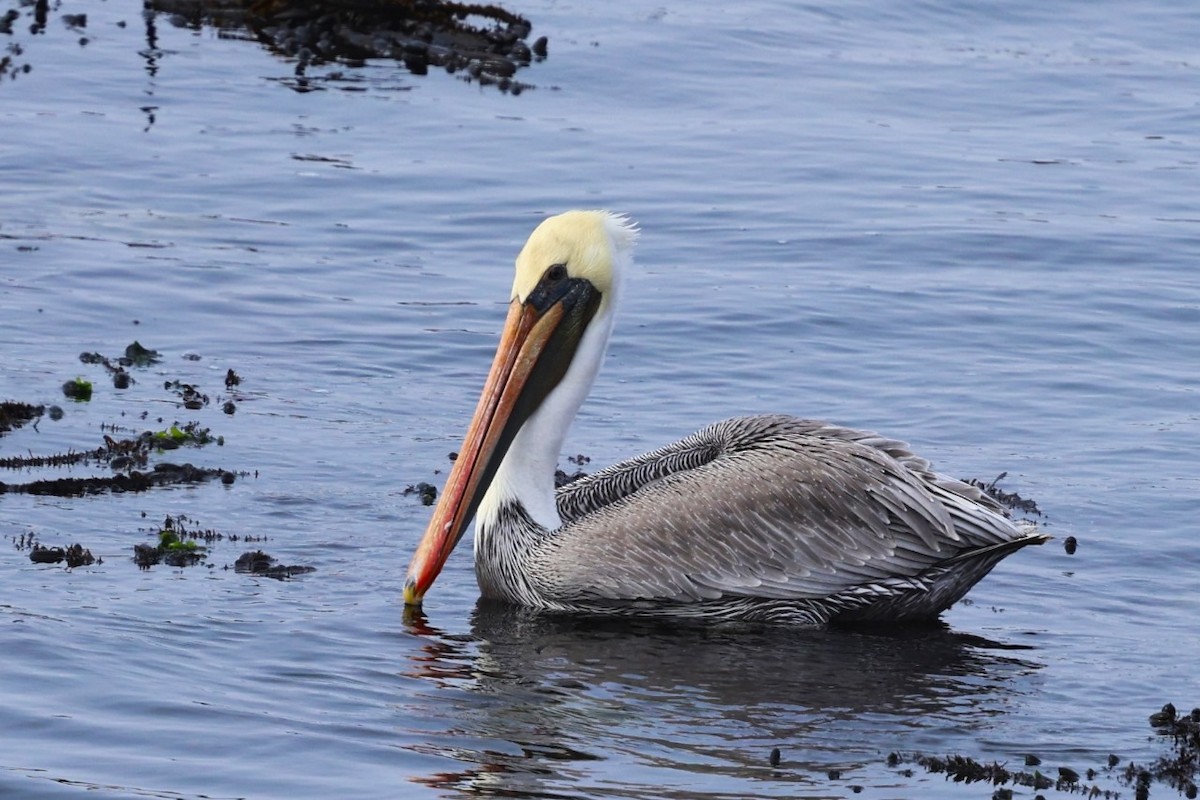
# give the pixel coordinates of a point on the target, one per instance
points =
(527, 331)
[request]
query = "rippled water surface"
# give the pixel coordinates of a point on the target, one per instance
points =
(971, 226)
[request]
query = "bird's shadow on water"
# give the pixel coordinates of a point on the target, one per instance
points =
(532, 697)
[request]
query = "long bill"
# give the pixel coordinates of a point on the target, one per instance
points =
(509, 397)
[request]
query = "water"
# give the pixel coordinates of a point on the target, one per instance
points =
(972, 227)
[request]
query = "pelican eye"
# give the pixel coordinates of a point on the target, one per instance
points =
(557, 286)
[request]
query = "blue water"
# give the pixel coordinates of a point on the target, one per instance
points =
(973, 227)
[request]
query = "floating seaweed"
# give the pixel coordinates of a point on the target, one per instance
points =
(163, 474)
(138, 356)
(178, 525)
(1179, 768)
(129, 457)
(76, 555)
(562, 478)
(135, 355)
(256, 562)
(14, 415)
(964, 769)
(482, 43)
(182, 542)
(1010, 500)
(190, 434)
(189, 395)
(170, 549)
(426, 491)
(134, 460)
(78, 389)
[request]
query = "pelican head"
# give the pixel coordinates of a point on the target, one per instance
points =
(568, 276)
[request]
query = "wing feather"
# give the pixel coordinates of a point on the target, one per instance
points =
(770, 507)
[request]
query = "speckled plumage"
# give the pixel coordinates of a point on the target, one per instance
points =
(767, 518)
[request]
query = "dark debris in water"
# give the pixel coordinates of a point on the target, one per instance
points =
(190, 397)
(482, 43)
(163, 474)
(182, 542)
(170, 549)
(562, 477)
(178, 541)
(256, 562)
(185, 528)
(75, 555)
(78, 389)
(119, 454)
(1178, 769)
(139, 356)
(964, 769)
(14, 415)
(426, 491)
(1010, 500)
(135, 356)
(29, 18)
(129, 457)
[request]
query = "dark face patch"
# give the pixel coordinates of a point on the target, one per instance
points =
(556, 286)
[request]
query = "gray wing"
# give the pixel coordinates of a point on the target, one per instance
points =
(770, 507)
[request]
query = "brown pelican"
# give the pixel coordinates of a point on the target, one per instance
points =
(769, 518)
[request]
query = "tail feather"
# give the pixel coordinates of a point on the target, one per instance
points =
(995, 552)
(927, 595)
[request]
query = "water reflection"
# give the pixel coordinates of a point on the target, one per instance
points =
(151, 54)
(531, 703)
